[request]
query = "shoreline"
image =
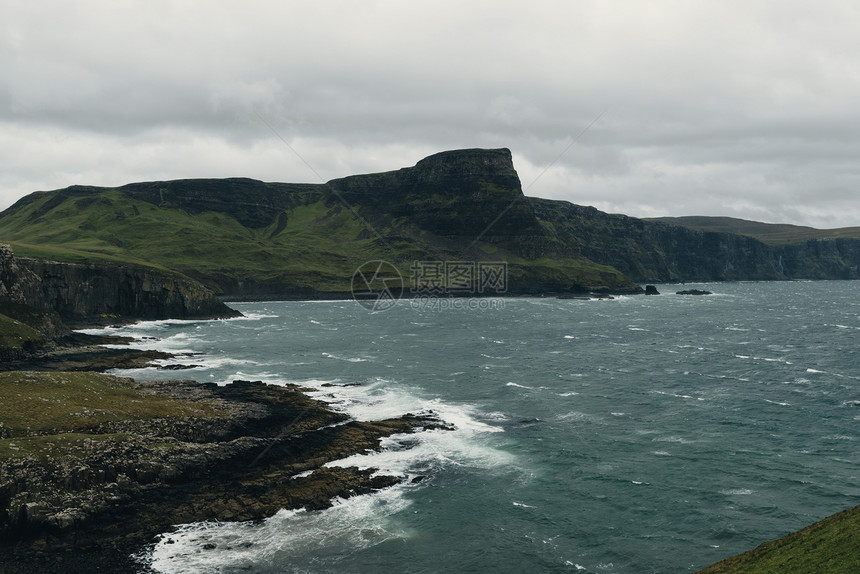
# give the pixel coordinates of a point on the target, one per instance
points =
(232, 454)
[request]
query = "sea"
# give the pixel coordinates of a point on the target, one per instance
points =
(641, 434)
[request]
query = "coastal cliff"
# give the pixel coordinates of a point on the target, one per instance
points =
(248, 239)
(654, 251)
(462, 193)
(98, 292)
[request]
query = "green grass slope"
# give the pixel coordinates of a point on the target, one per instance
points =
(831, 545)
(17, 335)
(121, 229)
(771, 233)
(48, 416)
(312, 243)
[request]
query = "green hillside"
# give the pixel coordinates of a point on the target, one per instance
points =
(17, 335)
(771, 233)
(316, 246)
(831, 545)
(246, 238)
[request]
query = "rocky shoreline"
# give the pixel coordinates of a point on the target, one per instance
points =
(225, 453)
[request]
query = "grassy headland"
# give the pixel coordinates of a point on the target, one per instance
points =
(248, 238)
(829, 546)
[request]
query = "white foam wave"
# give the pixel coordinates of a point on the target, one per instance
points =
(495, 416)
(434, 450)
(677, 396)
(142, 327)
(206, 362)
(673, 438)
(766, 359)
(382, 398)
(517, 386)
(181, 342)
(736, 492)
(349, 359)
(252, 317)
(577, 416)
(288, 537)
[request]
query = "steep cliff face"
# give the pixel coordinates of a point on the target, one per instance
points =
(87, 292)
(463, 193)
(250, 239)
(820, 259)
(656, 251)
(252, 203)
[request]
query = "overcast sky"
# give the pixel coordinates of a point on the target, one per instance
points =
(749, 109)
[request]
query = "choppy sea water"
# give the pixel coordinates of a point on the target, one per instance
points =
(634, 435)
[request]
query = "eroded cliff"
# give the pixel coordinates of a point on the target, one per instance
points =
(95, 292)
(653, 251)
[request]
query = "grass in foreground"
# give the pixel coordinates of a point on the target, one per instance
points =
(831, 545)
(41, 412)
(16, 335)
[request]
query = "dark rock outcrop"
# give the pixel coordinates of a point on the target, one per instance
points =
(462, 193)
(102, 292)
(651, 290)
(693, 292)
(241, 462)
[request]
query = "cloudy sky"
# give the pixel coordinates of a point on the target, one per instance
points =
(748, 109)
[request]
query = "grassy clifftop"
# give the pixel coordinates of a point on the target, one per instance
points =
(310, 240)
(41, 404)
(831, 545)
(243, 237)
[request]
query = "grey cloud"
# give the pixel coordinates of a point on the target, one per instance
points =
(708, 108)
